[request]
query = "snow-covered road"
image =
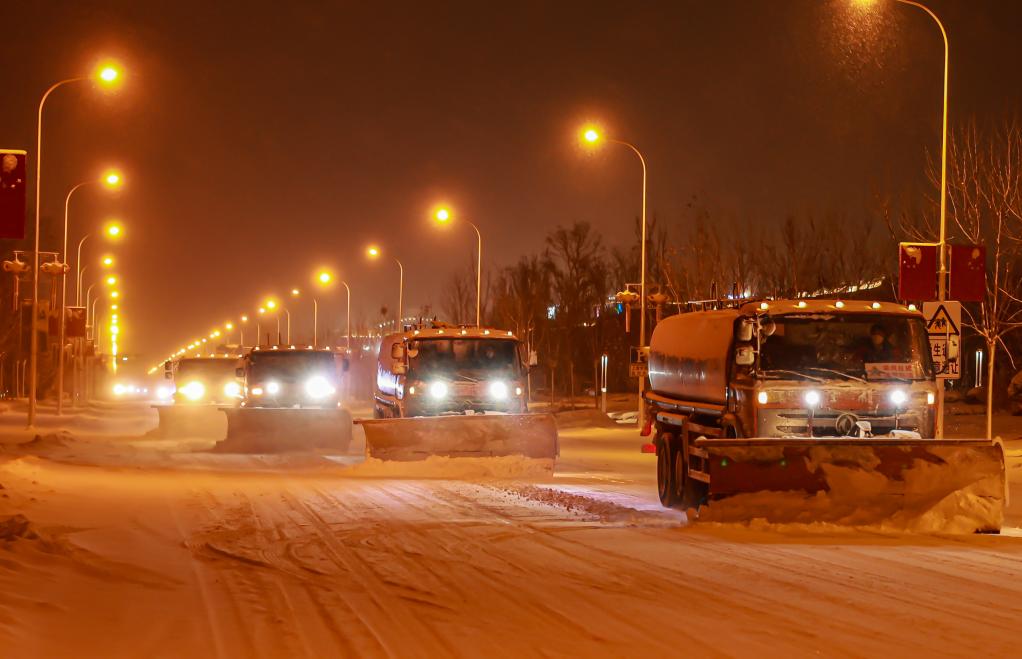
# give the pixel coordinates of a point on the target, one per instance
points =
(124, 549)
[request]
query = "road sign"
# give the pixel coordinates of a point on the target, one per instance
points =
(968, 273)
(943, 325)
(638, 362)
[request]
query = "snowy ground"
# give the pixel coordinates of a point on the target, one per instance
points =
(117, 545)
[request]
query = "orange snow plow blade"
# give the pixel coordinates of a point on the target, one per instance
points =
(925, 485)
(284, 430)
(479, 435)
(205, 421)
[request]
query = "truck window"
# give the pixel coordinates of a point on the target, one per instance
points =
(472, 358)
(864, 346)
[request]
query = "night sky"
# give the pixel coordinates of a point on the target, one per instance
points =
(261, 140)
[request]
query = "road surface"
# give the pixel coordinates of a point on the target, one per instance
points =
(119, 547)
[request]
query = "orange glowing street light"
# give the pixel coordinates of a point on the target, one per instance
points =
(114, 230)
(324, 278)
(443, 215)
(107, 261)
(111, 280)
(592, 136)
(107, 74)
(374, 253)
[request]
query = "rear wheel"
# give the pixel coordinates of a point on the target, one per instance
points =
(666, 459)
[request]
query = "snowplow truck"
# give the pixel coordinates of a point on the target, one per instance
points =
(456, 392)
(290, 402)
(201, 385)
(812, 410)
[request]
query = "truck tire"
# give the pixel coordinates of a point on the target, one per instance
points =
(666, 464)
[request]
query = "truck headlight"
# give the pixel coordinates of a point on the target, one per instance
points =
(272, 388)
(163, 393)
(318, 387)
(194, 390)
(438, 390)
(931, 398)
(898, 397)
(232, 390)
(120, 389)
(812, 398)
(257, 391)
(762, 398)
(498, 390)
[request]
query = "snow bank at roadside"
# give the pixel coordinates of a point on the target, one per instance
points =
(435, 466)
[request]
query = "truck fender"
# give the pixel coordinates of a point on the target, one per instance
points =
(732, 426)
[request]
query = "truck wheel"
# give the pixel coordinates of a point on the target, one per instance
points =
(666, 459)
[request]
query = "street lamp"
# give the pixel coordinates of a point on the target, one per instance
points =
(241, 331)
(295, 293)
(591, 136)
(443, 215)
(373, 252)
(113, 231)
(942, 246)
(324, 278)
(106, 75)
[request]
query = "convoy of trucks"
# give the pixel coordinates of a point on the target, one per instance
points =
(784, 396)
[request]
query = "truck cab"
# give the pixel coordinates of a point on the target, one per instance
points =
(797, 368)
(291, 377)
(204, 380)
(438, 369)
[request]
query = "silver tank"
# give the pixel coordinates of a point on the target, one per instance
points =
(689, 353)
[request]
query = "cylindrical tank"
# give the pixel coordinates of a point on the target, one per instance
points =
(688, 355)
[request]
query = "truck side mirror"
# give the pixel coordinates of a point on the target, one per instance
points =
(399, 368)
(168, 366)
(239, 372)
(745, 330)
(397, 351)
(745, 356)
(168, 375)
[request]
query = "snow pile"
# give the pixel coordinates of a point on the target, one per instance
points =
(595, 508)
(435, 466)
(954, 490)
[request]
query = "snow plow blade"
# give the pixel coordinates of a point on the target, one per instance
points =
(284, 430)
(479, 435)
(204, 421)
(916, 485)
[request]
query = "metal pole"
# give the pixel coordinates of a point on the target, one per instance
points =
(347, 330)
(642, 279)
(78, 271)
(479, 276)
(288, 326)
(61, 324)
(400, 293)
(33, 367)
(315, 323)
(942, 274)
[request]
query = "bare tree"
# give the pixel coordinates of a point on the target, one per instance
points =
(458, 296)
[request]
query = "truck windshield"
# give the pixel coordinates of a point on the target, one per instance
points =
(465, 358)
(846, 346)
(291, 366)
(210, 370)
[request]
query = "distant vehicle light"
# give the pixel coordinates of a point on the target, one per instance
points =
(498, 390)
(194, 390)
(272, 388)
(120, 389)
(232, 390)
(318, 387)
(438, 390)
(163, 393)
(839, 304)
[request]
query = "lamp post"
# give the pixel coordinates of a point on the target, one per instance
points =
(593, 137)
(444, 215)
(295, 293)
(111, 179)
(241, 331)
(374, 252)
(942, 245)
(105, 75)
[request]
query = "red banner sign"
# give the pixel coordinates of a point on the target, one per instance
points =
(968, 273)
(917, 272)
(12, 194)
(75, 319)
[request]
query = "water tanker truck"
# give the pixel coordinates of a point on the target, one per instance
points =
(806, 398)
(454, 391)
